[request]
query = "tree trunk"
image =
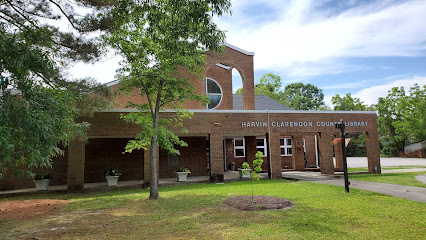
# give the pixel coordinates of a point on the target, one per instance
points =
(153, 186)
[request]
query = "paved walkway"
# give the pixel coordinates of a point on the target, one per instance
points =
(386, 162)
(102, 186)
(412, 193)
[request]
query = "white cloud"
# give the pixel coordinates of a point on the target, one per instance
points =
(303, 38)
(371, 95)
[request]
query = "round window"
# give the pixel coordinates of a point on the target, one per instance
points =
(214, 92)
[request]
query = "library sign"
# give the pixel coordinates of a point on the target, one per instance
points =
(300, 124)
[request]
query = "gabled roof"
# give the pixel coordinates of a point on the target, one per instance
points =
(262, 102)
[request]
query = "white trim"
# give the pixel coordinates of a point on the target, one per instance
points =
(265, 152)
(239, 147)
(112, 83)
(223, 66)
(238, 49)
(316, 151)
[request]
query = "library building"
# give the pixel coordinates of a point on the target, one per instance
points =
(221, 136)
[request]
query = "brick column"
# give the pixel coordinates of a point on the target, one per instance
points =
(147, 166)
(326, 153)
(216, 154)
(373, 151)
(338, 154)
(76, 160)
(251, 148)
(298, 153)
(275, 155)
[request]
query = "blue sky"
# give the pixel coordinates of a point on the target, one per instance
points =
(360, 47)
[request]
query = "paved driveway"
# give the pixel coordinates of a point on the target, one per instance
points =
(387, 162)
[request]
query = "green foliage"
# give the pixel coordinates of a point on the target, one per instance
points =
(402, 118)
(269, 85)
(245, 165)
(356, 147)
(257, 166)
(42, 176)
(301, 96)
(183, 169)
(163, 43)
(112, 172)
(38, 104)
(348, 103)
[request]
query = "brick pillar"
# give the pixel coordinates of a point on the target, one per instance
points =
(216, 154)
(338, 154)
(326, 153)
(147, 166)
(373, 151)
(298, 153)
(251, 148)
(76, 160)
(275, 155)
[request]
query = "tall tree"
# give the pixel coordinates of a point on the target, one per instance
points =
(347, 103)
(37, 101)
(402, 118)
(269, 85)
(301, 96)
(162, 43)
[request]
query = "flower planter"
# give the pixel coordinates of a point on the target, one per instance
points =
(181, 176)
(42, 185)
(246, 174)
(112, 180)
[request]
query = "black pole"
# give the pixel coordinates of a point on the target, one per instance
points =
(341, 125)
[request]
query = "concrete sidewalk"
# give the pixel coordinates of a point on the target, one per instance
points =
(412, 193)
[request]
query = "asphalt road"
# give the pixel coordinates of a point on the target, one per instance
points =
(354, 162)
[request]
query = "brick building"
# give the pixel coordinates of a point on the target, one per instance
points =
(231, 129)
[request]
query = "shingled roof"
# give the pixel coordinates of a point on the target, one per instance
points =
(262, 102)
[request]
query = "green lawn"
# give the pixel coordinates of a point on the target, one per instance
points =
(408, 178)
(364, 169)
(197, 211)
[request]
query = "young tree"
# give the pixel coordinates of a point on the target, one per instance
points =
(301, 96)
(37, 102)
(162, 43)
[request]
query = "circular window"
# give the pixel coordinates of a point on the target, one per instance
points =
(214, 92)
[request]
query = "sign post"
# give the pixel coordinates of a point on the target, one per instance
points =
(341, 126)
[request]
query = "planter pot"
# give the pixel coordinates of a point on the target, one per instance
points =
(112, 180)
(41, 185)
(246, 174)
(181, 176)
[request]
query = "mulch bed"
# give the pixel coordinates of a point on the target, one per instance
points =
(26, 209)
(260, 203)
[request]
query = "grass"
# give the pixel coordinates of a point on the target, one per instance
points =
(408, 179)
(197, 211)
(364, 169)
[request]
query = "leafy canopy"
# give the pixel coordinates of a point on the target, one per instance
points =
(38, 104)
(163, 43)
(301, 96)
(402, 118)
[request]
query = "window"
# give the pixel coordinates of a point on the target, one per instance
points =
(261, 146)
(286, 148)
(214, 92)
(239, 147)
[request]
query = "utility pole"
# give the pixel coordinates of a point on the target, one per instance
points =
(341, 126)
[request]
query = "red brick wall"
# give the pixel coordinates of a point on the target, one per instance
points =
(105, 153)
(192, 157)
(58, 171)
